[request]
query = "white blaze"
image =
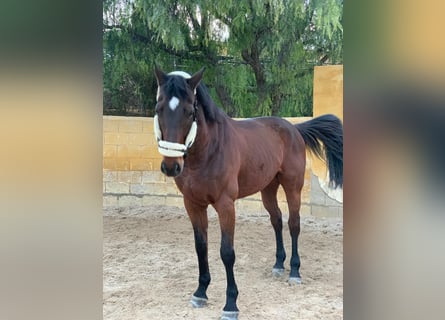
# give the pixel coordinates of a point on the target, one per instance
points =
(173, 103)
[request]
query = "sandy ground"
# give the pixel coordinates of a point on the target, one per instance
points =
(150, 268)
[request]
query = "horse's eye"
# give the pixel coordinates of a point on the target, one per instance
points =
(188, 113)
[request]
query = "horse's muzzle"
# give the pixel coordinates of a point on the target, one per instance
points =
(171, 167)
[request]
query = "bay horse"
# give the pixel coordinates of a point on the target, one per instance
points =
(215, 160)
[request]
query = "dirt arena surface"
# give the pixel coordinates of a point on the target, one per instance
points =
(150, 268)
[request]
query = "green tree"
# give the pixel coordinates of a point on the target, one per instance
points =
(259, 54)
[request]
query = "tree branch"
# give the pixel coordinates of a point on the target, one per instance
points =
(111, 27)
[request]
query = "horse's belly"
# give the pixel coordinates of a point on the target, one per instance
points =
(255, 180)
(261, 165)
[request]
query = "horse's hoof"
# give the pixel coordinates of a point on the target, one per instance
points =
(229, 315)
(277, 272)
(294, 281)
(198, 302)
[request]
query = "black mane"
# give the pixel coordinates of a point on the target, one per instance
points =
(211, 111)
(177, 86)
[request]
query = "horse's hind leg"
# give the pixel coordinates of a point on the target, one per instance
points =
(269, 197)
(292, 187)
(198, 217)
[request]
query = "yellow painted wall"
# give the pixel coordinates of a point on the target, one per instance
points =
(129, 144)
(328, 98)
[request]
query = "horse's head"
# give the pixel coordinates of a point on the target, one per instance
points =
(175, 122)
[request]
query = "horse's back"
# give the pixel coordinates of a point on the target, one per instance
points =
(272, 124)
(262, 134)
(270, 133)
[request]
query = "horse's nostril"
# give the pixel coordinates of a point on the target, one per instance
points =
(177, 169)
(163, 168)
(173, 170)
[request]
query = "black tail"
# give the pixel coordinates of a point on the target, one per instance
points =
(326, 129)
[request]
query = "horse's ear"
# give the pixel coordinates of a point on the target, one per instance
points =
(195, 79)
(160, 75)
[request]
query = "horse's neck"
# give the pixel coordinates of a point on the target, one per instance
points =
(210, 138)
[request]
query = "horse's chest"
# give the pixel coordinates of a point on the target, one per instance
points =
(199, 189)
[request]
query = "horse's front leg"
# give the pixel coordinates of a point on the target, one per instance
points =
(198, 217)
(226, 215)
